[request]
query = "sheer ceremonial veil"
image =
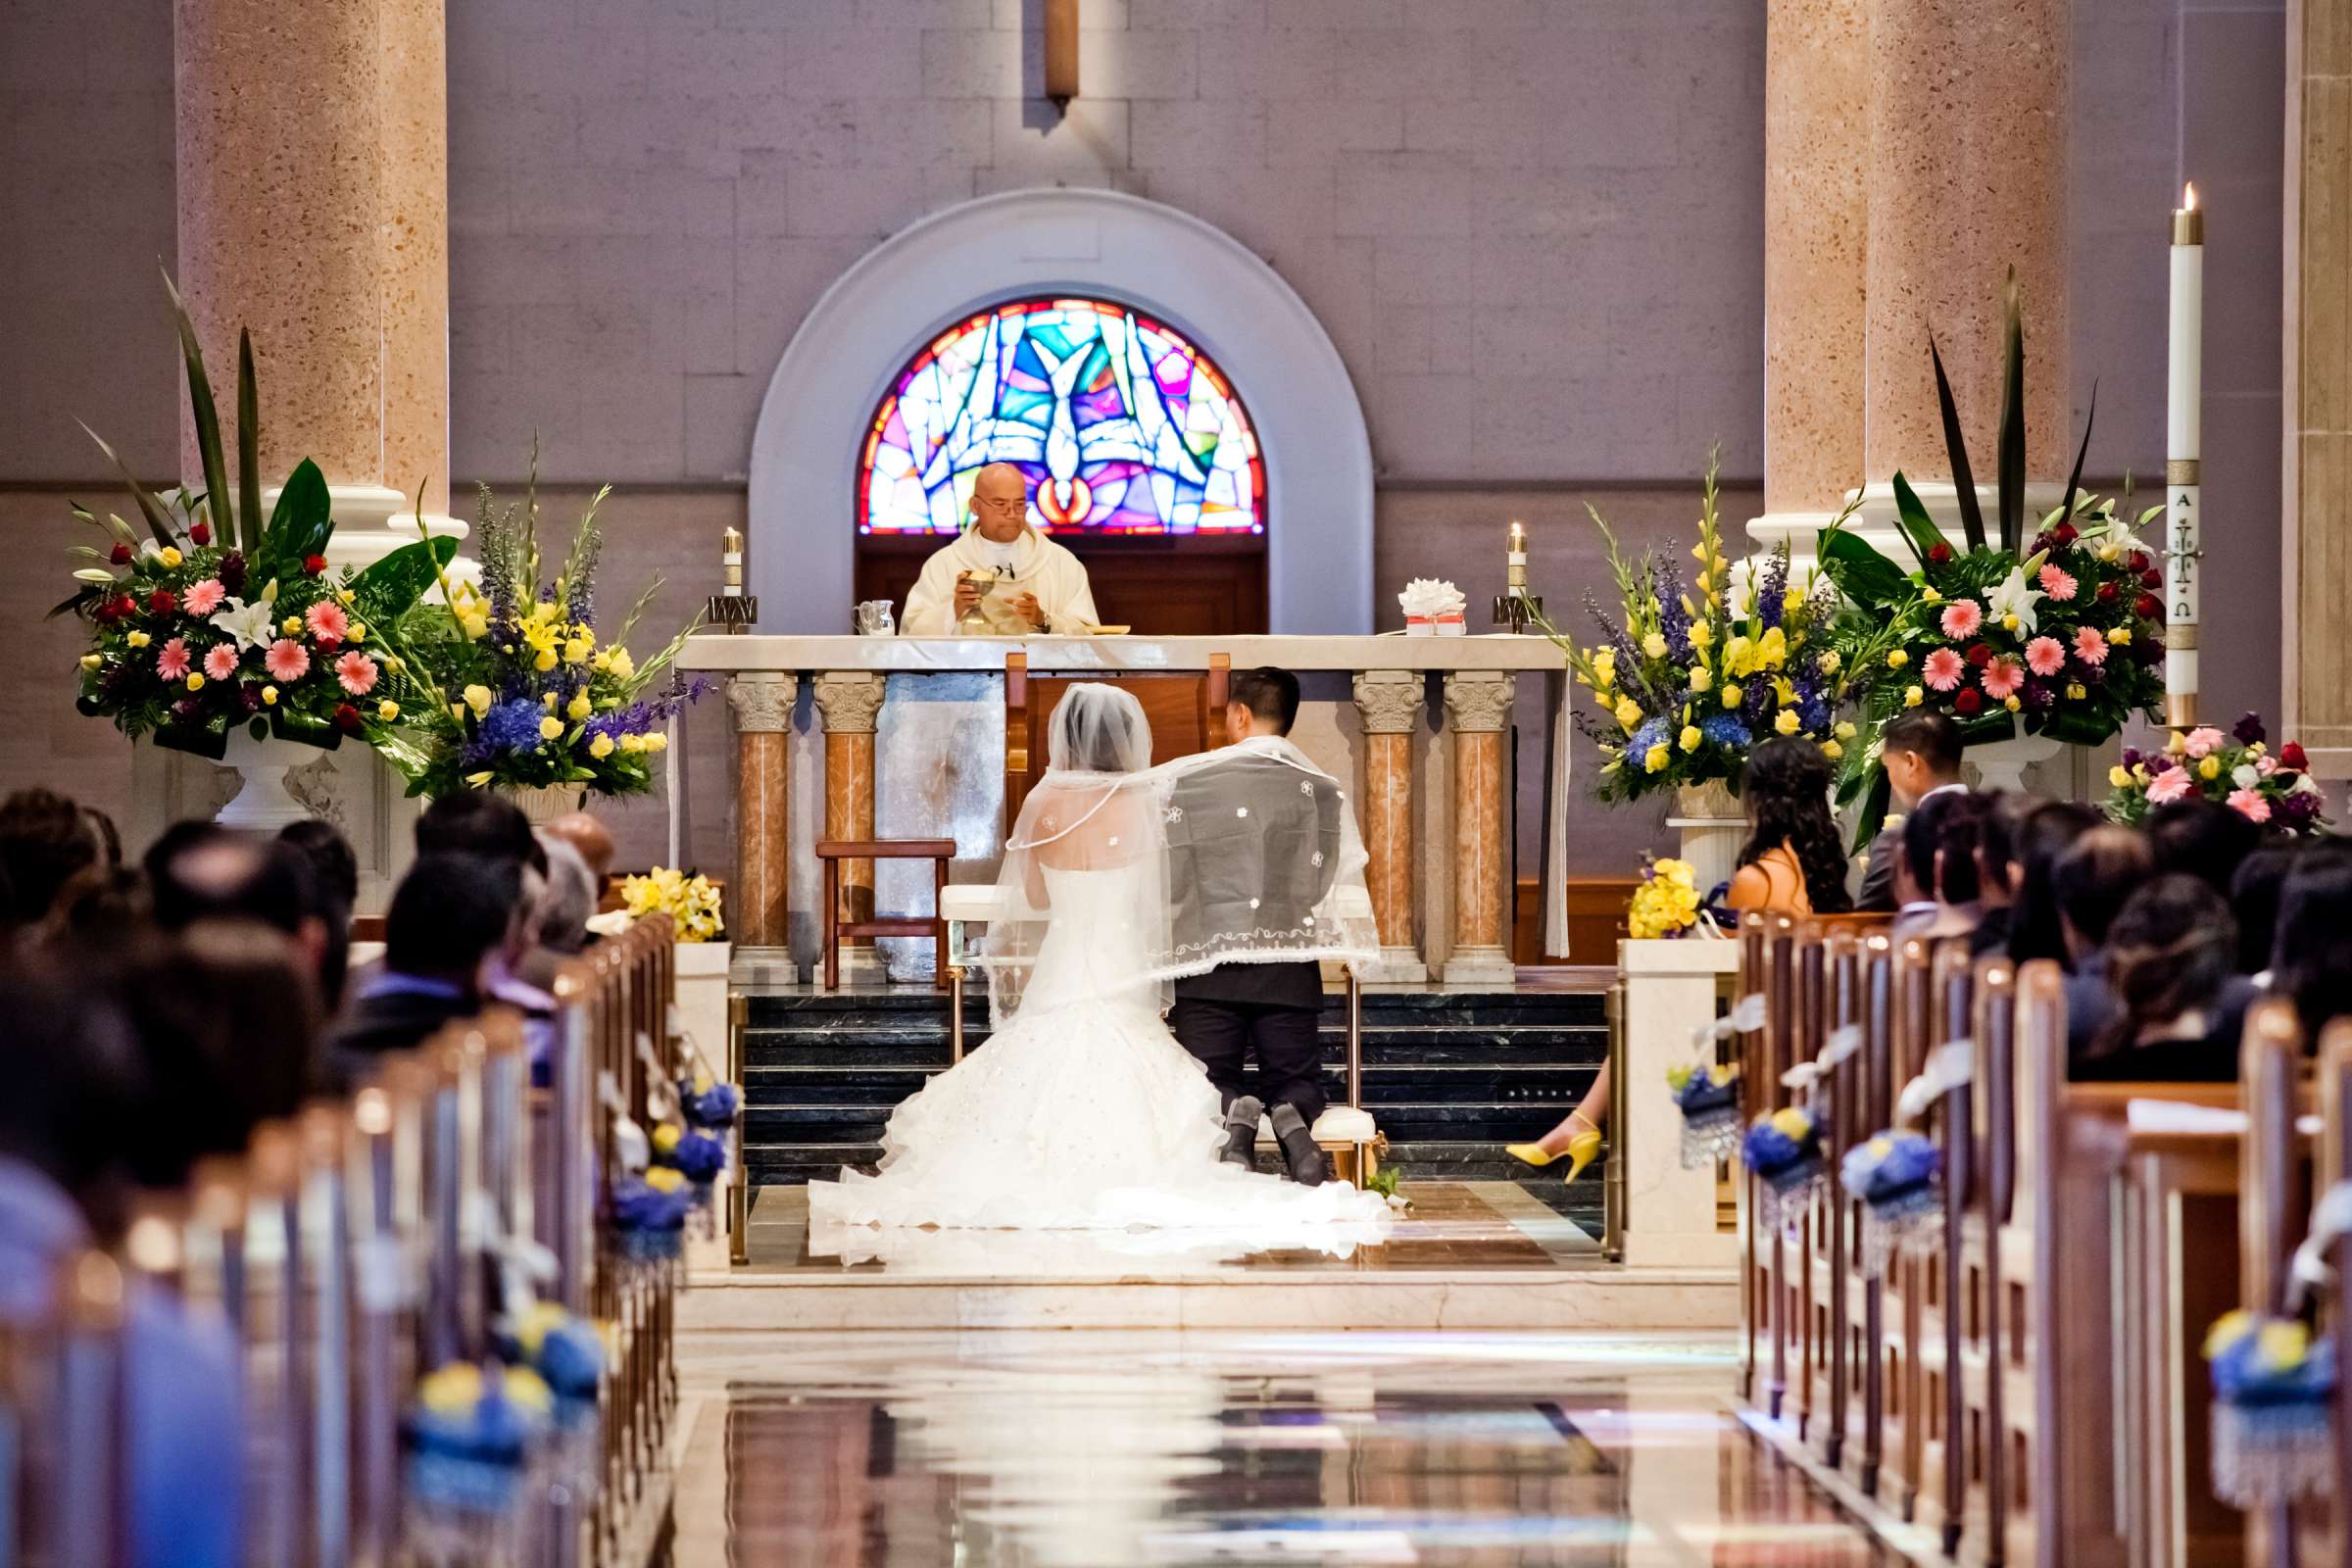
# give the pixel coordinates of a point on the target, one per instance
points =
(1247, 853)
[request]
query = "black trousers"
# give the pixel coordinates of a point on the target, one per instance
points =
(1289, 1052)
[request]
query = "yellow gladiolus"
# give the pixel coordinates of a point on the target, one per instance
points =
(1830, 662)
(1702, 677)
(358, 631)
(621, 665)
(2076, 691)
(575, 651)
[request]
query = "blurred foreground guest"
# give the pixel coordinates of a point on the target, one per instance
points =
(45, 842)
(2092, 882)
(592, 839)
(74, 1084)
(2311, 961)
(451, 918)
(2201, 838)
(2046, 832)
(2254, 894)
(1921, 751)
(1996, 867)
(196, 871)
(328, 853)
(476, 822)
(2168, 961)
(560, 919)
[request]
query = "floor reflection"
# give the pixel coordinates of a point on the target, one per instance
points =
(1089, 1449)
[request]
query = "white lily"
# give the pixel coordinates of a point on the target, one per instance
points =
(2120, 537)
(249, 625)
(97, 575)
(2012, 596)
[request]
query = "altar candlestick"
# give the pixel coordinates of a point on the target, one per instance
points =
(2182, 528)
(731, 609)
(1516, 608)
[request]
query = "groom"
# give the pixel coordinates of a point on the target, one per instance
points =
(1263, 842)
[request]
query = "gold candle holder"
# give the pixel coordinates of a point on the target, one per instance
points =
(731, 609)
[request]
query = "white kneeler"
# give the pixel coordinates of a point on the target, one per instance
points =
(1345, 1130)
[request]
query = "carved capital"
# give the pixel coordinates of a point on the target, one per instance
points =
(849, 701)
(762, 701)
(1478, 699)
(1388, 701)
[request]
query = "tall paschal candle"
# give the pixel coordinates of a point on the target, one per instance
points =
(2183, 525)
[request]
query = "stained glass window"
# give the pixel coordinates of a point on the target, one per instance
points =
(1121, 425)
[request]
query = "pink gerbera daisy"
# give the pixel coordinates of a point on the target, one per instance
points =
(2169, 785)
(2089, 646)
(221, 663)
(2057, 584)
(172, 661)
(357, 671)
(2002, 678)
(203, 598)
(2250, 805)
(1962, 617)
(287, 659)
(326, 621)
(2045, 655)
(2202, 741)
(1944, 669)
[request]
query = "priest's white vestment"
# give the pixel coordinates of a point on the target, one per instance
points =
(1038, 566)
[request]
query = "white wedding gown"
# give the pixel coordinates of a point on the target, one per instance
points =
(1083, 1114)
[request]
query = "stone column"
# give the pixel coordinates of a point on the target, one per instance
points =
(2316, 540)
(324, 234)
(848, 702)
(757, 907)
(1389, 702)
(1816, 214)
(1969, 101)
(1478, 707)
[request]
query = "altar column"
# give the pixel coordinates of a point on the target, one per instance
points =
(1478, 707)
(848, 702)
(763, 701)
(1969, 101)
(1388, 703)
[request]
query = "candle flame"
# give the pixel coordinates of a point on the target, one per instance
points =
(2188, 196)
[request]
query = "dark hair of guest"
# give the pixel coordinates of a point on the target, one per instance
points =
(1270, 694)
(2204, 839)
(2254, 894)
(1787, 792)
(2045, 833)
(2097, 875)
(1929, 736)
(449, 913)
(45, 841)
(1939, 845)
(2310, 958)
(477, 822)
(333, 865)
(2169, 950)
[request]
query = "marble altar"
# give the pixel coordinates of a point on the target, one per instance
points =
(907, 736)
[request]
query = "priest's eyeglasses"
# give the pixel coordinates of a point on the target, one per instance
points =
(1002, 506)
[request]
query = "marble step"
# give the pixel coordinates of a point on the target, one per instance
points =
(859, 1009)
(1439, 1045)
(767, 1126)
(1486, 1082)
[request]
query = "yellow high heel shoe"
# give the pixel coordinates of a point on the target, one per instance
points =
(1583, 1149)
(1535, 1155)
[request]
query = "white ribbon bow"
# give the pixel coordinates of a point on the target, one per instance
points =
(1843, 1042)
(1950, 1065)
(2330, 1223)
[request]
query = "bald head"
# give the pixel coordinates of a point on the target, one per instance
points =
(588, 836)
(1000, 501)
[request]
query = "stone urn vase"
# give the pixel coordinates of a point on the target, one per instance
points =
(1712, 828)
(544, 802)
(263, 803)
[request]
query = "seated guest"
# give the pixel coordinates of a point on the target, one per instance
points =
(1941, 841)
(2254, 899)
(1792, 861)
(1921, 755)
(1996, 866)
(2094, 878)
(592, 839)
(2169, 959)
(66, 1126)
(2044, 834)
(196, 871)
(328, 853)
(2203, 838)
(2311, 960)
(477, 822)
(45, 841)
(1002, 573)
(451, 918)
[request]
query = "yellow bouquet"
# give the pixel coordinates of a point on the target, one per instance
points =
(691, 902)
(1666, 902)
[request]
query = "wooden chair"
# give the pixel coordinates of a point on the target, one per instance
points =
(832, 852)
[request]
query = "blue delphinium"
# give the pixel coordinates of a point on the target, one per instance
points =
(1724, 729)
(1772, 593)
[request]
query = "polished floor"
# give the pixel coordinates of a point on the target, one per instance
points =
(1091, 1449)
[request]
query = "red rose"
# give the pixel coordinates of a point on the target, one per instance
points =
(200, 534)
(313, 565)
(2062, 535)
(347, 718)
(1968, 701)
(1940, 555)
(2291, 756)
(2151, 579)
(1980, 654)
(120, 555)
(162, 602)
(2147, 607)
(2109, 593)
(2138, 560)
(126, 607)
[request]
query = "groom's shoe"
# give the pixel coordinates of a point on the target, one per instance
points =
(1299, 1153)
(1240, 1131)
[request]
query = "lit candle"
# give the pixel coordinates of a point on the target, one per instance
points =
(730, 559)
(2182, 445)
(1516, 559)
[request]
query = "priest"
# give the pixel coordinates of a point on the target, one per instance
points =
(1002, 576)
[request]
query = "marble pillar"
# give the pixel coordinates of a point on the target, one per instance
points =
(1388, 702)
(1478, 709)
(849, 703)
(2316, 543)
(1816, 217)
(763, 701)
(413, 258)
(1968, 109)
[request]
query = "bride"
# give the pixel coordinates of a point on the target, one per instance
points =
(1081, 1111)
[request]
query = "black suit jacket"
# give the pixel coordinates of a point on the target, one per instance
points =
(397, 1020)
(1253, 843)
